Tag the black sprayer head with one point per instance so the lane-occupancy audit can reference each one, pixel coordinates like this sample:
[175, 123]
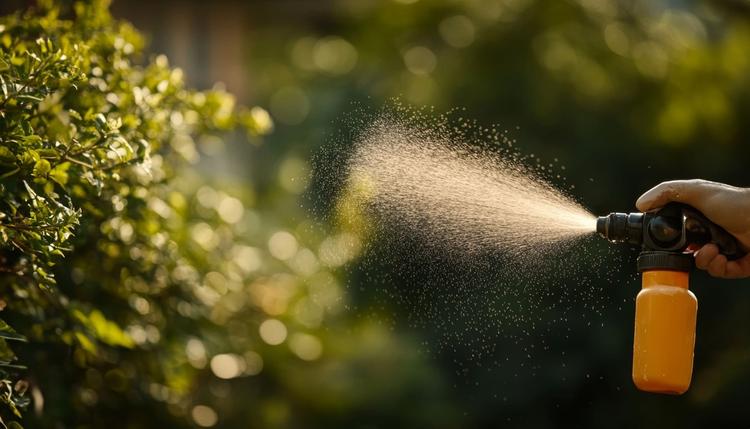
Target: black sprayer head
[670, 229]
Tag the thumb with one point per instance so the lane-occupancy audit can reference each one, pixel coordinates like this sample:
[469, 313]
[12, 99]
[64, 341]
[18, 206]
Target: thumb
[691, 192]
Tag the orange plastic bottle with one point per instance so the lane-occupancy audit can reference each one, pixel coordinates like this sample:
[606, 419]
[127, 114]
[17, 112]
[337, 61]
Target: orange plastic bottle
[665, 320]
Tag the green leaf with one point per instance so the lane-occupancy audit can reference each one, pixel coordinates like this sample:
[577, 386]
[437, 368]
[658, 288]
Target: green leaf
[6, 154]
[59, 174]
[32, 139]
[42, 168]
[7, 332]
[30, 98]
[85, 342]
[7, 364]
[104, 330]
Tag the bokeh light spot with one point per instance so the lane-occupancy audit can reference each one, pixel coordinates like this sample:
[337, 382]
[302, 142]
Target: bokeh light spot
[230, 210]
[305, 346]
[227, 365]
[204, 416]
[457, 31]
[420, 60]
[282, 245]
[272, 331]
[334, 55]
[196, 353]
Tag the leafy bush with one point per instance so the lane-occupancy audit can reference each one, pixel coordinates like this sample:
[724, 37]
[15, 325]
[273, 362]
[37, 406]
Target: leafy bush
[92, 146]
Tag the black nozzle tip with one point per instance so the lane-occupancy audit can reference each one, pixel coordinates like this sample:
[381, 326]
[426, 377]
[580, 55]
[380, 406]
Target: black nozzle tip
[621, 227]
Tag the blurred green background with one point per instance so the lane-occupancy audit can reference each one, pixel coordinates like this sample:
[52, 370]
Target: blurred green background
[622, 94]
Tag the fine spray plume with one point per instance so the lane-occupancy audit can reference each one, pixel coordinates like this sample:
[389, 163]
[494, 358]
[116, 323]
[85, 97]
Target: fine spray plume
[666, 311]
[473, 237]
[463, 199]
[466, 200]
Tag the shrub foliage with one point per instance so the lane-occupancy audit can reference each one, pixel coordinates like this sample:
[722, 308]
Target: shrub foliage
[93, 254]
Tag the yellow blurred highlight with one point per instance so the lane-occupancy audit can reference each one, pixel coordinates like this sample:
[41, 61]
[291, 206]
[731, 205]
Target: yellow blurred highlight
[272, 331]
[282, 245]
[204, 416]
[420, 60]
[196, 353]
[227, 365]
[273, 294]
[306, 347]
[334, 55]
[230, 209]
[261, 119]
[457, 31]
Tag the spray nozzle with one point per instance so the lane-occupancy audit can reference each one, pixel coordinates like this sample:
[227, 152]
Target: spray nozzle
[670, 229]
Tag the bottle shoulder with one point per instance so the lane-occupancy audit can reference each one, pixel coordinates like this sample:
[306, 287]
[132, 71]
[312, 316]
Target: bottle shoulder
[668, 290]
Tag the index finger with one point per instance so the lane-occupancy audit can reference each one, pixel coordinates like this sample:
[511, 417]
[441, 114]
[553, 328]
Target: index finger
[684, 191]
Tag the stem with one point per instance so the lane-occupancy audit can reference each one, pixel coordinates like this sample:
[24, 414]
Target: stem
[10, 173]
[79, 162]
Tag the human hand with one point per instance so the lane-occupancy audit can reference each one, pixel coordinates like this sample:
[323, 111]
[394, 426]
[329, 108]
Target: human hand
[725, 205]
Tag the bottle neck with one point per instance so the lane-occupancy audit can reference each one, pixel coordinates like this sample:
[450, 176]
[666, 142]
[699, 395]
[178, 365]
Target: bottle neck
[666, 278]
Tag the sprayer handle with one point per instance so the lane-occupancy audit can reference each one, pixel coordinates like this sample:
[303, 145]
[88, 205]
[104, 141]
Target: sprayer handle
[701, 230]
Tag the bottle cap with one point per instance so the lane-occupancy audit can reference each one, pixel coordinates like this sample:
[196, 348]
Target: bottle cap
[672, 261]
